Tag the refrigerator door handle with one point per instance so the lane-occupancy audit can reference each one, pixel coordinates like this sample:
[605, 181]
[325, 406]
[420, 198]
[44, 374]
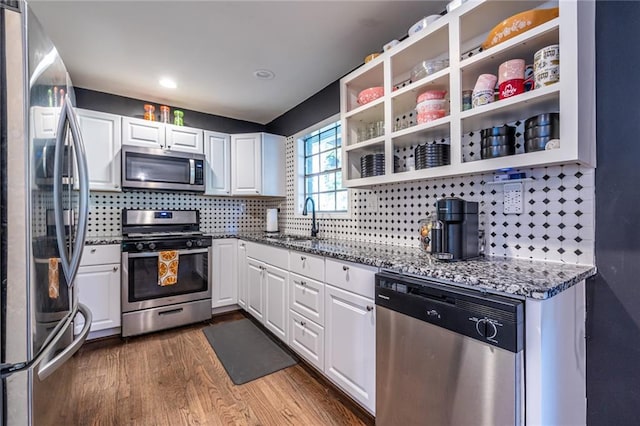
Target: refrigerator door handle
[83, 188]
[70, 266]
[45, 370]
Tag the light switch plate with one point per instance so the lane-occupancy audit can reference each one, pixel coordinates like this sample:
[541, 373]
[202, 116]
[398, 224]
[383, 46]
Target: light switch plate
[513, 198]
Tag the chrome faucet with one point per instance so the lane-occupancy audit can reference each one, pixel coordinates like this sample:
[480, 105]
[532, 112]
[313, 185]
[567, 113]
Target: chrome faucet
[314, 225]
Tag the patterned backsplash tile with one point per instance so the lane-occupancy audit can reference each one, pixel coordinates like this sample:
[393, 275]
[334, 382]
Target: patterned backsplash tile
[557, 225]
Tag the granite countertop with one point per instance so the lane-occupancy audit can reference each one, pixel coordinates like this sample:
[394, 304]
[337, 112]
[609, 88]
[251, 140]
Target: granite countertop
[103, 240]
[511, 276]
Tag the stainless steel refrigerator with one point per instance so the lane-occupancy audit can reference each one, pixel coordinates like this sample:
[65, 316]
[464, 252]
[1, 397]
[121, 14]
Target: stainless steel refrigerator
[44, 208]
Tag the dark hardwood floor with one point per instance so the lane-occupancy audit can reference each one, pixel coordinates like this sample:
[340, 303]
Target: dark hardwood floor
[174, 378]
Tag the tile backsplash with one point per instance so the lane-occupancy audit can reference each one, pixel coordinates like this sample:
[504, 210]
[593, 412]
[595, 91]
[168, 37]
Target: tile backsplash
[557, 225]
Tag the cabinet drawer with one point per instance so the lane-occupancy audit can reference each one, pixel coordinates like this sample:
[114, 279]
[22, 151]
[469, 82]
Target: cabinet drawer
[307, 265]
[307, 339]
[100, 255]
[359, 279]
[268, 254]
[306, 297]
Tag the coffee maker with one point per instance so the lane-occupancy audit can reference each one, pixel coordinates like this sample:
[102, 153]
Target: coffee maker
[454, 236]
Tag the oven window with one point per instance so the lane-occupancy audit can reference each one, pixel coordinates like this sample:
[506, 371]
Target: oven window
[155, 168]
[143, 277]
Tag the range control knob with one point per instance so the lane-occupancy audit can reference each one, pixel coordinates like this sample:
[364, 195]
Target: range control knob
[199, 243]
[491, 330]
[152, 246]
[139, 246]
[189, 243]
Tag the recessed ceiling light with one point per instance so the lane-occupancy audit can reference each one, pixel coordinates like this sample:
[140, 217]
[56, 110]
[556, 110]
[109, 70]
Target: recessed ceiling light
[168, 83]
[264, 74]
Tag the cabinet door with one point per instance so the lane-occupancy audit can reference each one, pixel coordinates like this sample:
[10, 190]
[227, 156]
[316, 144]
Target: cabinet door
[217, 148]
[184, 139]
[145, 133]
[255, 289]
[246, 161]
[44, 121]
[224, 273]
[350, 346]
[276, 307]
[99, 288]
[307, 339]
[242, 274]
[102, 135]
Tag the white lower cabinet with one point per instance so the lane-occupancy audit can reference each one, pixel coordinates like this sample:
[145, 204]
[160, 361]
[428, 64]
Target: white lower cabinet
[255, 288]
[276, 307]
[98, 286]
[307, 339]
[242, 274]
[223, 273]
[350, 345]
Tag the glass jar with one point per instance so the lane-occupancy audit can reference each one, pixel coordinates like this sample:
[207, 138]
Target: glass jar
[149, 112]
[178, 117]
[164, 113]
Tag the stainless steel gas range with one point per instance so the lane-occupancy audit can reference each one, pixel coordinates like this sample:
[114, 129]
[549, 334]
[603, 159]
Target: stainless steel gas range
[150, 302]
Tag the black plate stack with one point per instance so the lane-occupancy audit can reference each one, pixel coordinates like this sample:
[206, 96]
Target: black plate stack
[498, 142]
[372, 165]
[432, 155]
[539, 130]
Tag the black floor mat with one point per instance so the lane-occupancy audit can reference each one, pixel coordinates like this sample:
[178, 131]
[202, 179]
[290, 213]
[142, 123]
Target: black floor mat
[245, 351]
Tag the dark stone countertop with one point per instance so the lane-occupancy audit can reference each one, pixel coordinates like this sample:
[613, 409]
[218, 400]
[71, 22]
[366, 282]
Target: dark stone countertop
[510, 276]
[103, 240]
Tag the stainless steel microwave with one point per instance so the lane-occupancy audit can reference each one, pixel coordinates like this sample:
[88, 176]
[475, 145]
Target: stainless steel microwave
[159, 169]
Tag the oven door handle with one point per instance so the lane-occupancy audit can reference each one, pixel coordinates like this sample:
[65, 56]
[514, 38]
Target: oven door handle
[157, 253]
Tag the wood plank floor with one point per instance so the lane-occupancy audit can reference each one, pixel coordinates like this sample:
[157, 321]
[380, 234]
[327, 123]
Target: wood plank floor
[175, 378]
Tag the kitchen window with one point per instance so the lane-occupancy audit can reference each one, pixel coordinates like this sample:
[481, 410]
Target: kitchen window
[319, 169]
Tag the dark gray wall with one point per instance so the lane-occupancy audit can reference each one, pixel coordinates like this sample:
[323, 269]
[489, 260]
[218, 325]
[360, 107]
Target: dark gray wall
[318, 107]
[613, 296]
[129, 107]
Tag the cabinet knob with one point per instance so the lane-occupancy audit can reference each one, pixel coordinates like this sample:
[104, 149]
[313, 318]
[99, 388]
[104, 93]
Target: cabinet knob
[303, 283]
[257, 192]
[116, 186]
[345, 268]
[369, 308]
[115, 269]
[241, 244]
[303, 258]
[93, 250]
[302, 323]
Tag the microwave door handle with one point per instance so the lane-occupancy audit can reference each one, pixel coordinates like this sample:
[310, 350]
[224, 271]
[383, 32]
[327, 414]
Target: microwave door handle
[58, 210]
[192, 171]
[83, 189]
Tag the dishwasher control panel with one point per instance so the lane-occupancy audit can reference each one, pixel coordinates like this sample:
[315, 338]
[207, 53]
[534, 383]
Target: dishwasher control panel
[493, 319]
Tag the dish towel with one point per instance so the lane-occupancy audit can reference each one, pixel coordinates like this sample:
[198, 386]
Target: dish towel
[54, 278]
[168, 267]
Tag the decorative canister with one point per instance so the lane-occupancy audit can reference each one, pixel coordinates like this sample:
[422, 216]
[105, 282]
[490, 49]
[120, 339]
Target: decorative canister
[178, 117]
[482, 97]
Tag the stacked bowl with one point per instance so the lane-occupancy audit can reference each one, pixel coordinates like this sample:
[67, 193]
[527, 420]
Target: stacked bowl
[542, 132]
[373, 164]
[431, 105]
[432, 155]
[498, 142]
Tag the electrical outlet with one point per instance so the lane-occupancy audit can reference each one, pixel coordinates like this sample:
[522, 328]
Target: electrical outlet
[513, 198]
[372, 203]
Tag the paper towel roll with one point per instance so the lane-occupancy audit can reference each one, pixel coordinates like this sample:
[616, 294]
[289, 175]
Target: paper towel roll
[272, 220]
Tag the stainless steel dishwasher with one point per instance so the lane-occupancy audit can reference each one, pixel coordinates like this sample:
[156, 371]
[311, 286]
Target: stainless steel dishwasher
[447, 356]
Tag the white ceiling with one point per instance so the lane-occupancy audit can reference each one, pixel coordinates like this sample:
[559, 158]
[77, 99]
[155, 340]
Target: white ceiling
[212, 48]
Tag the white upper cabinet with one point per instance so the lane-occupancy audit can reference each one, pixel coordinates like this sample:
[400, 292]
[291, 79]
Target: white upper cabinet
[217, 148]
[153, 134]
[457, 37]
[102, 136]
[44, 121]
[185, 139]
[258, 164]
